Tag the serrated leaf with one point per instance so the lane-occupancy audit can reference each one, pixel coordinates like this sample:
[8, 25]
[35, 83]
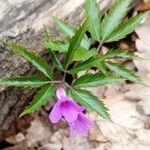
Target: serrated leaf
[41, 98]
[65, 27]
[102, 67]
[59, 46]
[119, 53]
[92, 13]
[83, 54]
[85, 65]
[56, 62]
[54, 58]
[52, 45]
[46, 36]
[75, 43]
[96, 61]
[85, 43]
[111, 20]
[94, 80]
[90, 101]
[32, 58]
[125, 28]
[126, 73]
[32, 81]
[70, 31]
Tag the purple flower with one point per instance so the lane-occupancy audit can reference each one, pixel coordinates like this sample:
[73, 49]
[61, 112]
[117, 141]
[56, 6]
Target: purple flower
[71, 111]
[65, 107]
[81, 125]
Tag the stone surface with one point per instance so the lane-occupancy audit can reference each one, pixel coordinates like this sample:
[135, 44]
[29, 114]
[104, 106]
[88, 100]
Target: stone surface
[37, 132]
[16, 17]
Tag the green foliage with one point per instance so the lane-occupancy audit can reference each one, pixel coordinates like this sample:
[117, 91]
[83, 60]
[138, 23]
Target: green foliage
[33, 58]
[62, 47]
[94, 80]
[70, 31]
[54, 58]
[80, 51]
[46, 33]
[85, 43]
[33, 81]
[125, 28]
[96, 61]
[85, 65]
[119, 53]
[114, 17]
[126, 73]
[92, 14]
[63, 26]
[56, 61]
[90, 101]
[59, 46]
[83, 54]
[75, 43]
[41, 98]
[101, 66]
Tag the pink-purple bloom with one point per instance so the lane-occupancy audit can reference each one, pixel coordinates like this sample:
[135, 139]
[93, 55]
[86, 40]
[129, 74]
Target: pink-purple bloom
[81, 125]
[71, 111]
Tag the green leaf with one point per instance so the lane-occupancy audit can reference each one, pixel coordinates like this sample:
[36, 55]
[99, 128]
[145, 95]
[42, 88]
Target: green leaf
[92, 13]
[119, 53]
[51, 45]
[85, 65]
[90, 101]
[75, 43]
[47, 37]
[56, 62]
[59, 46]
[33, 58]
[94, 80]
[111, 20]
[63, 26]
[83, 54]
[101, 66]
[96, 61]
[32, 81]
[85, 43]
[54, 58]
[41, 98]
[128, 74]
[125, 28]
[70, 31]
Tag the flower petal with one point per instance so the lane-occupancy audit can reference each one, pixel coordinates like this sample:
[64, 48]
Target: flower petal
[81, 125]
[61, 93]
[78, 107]
[69, 111]
[55, 114]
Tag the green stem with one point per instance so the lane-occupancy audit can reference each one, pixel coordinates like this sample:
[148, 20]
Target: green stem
[99, 46]
[65, 72]
[69, 86]
[55, 82]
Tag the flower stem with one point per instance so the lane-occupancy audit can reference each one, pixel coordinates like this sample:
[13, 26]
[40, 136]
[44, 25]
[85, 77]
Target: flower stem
[55, 81]
[69, 86]
[99, 46]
